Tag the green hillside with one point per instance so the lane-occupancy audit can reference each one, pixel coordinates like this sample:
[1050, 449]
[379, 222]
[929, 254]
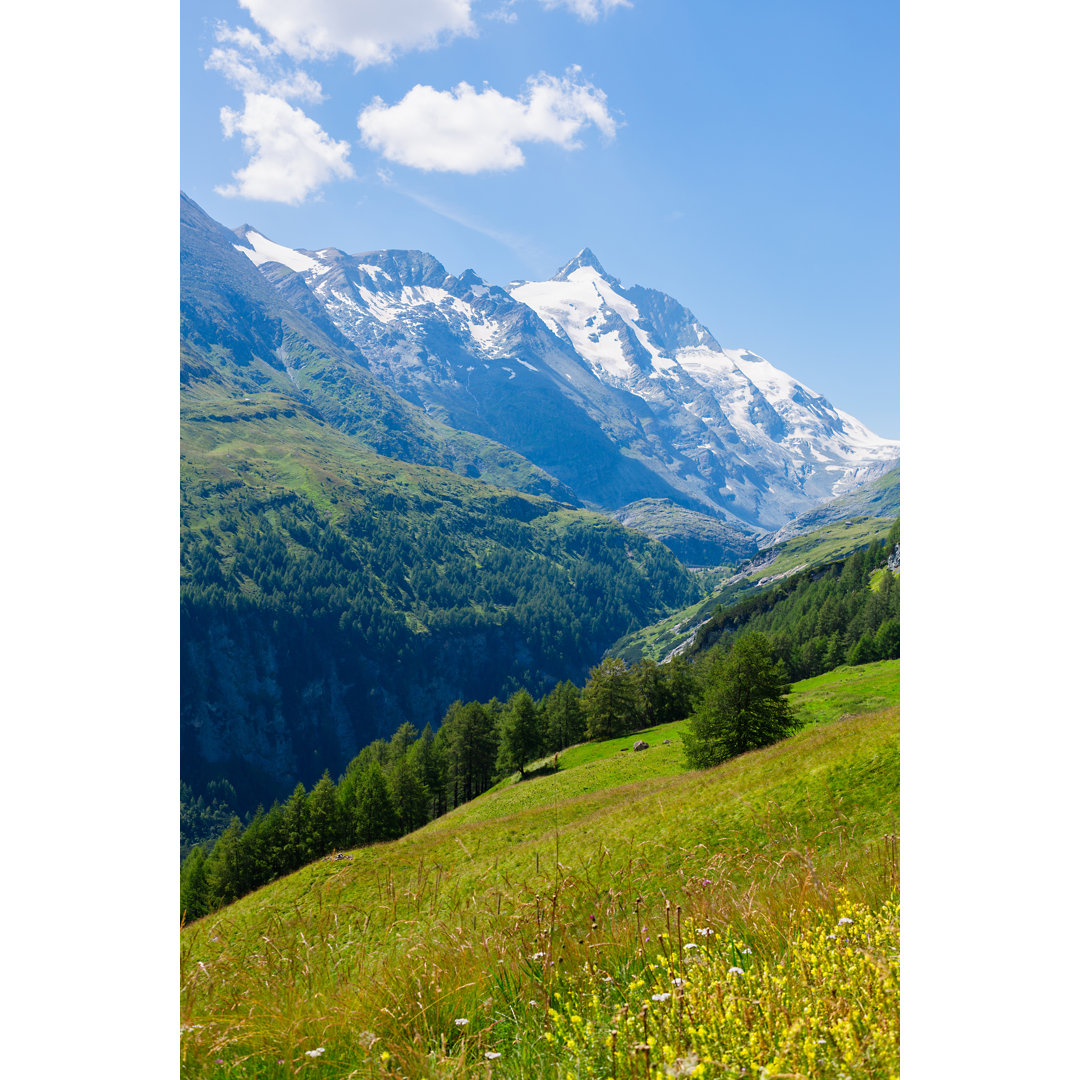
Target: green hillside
[328, 594]
[769, 568]
[737, 921]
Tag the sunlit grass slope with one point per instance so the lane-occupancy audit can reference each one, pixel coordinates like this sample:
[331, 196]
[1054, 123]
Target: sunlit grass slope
[733, 922]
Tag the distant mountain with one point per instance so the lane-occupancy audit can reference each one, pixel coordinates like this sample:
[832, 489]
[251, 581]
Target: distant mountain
[618, 392]
[874, 498]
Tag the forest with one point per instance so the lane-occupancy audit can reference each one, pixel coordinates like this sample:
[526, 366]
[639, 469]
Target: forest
[847, 612]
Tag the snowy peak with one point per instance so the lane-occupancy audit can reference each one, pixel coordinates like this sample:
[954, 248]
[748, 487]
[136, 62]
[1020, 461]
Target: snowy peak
[657, 407]
[584, 259]
[261, 250]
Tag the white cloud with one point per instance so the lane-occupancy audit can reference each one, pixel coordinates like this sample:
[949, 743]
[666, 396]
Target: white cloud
[589, 10]
[464, 131]
[370, 31]
[245, 76]
[291, 156]
[245, 39]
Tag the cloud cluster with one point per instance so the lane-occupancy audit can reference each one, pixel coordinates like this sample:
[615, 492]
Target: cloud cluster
[466, 131]
[245, 76]
[370, 31]
[461, 130]
[588, 10]
[290, 154]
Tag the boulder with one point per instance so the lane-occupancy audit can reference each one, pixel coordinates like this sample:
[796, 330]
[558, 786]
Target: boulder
[641, 744]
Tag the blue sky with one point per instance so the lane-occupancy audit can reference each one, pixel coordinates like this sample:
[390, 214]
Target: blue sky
[741, 156]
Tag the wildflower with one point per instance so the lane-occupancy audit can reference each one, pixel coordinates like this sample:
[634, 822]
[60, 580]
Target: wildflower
[219, 1061]
[537, 956]
[704, 931]
[690, 945]
[747, 951]
[845, 919]
[735, 971]
[676, 982]
[661, 997]
[534, 1004]
[491, 1055]
[367, 1039]
[830, 937]
[319, 1050]
[384, 1057]
[461, 1021]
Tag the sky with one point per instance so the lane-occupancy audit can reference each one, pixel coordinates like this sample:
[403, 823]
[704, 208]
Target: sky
[742, 157]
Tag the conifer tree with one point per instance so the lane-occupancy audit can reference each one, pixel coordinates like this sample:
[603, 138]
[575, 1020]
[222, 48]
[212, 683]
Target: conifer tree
[609, 700]
[409, 793]
[324, 819]
[296, 829]
[565, 716]
[376, 817]
[520, 737]
[194, 892]
[744, 704]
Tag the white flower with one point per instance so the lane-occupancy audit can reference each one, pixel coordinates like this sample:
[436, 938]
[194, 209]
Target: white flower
[691, 944]
[676, 981]
[316, 1052]
[845, 919]
[491, 1055]
[537, 956]
[533, 1003]
[830, 937]
[735, 971]
[461, 1021]
[661, 997]
[747, 951]
[704, 931]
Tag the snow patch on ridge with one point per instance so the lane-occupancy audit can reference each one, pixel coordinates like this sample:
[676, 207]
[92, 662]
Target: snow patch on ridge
[263, 251]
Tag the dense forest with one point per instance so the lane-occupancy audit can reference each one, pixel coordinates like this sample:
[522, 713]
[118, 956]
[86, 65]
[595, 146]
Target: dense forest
[844, 612]
[321, 613]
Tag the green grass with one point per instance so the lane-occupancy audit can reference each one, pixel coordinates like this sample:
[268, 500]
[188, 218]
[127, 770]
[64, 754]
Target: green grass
[576, 898]
[847, 690]
[609, 763]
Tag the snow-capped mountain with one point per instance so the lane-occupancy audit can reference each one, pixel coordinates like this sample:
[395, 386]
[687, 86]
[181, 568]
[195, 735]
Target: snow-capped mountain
[618, 392]
[642, 341]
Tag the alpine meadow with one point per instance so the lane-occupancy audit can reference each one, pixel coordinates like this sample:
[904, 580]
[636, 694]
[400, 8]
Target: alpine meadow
[539, 652]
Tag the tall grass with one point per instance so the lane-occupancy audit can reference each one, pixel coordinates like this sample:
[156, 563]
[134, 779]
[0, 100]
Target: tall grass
[607, 946]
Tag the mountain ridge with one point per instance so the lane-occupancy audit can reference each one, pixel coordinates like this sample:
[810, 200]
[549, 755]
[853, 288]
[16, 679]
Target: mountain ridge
[627, 378]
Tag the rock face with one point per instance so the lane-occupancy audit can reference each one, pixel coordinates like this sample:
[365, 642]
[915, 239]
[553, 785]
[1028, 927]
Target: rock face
[641, 744]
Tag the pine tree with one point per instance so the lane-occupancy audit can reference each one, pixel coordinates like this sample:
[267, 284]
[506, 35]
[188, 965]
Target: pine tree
[520, 737]
[409, 793]
[609, 700]
[194, 892]
[325, 825]
[565, 716]
[296, 829]
[744, 704]
[376, 817]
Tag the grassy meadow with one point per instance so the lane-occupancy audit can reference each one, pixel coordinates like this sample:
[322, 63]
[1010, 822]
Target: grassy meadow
[621, 917]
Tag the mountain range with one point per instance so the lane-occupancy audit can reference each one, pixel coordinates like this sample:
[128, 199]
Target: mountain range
[620, 393]
[400, 487]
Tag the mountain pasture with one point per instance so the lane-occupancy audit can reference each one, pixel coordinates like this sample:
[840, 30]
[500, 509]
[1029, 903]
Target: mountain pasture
[620, 917]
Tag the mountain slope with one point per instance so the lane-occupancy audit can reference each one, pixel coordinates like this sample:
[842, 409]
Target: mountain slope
[240, 335]
[445, 950]
[330, 592]
[762, 442]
